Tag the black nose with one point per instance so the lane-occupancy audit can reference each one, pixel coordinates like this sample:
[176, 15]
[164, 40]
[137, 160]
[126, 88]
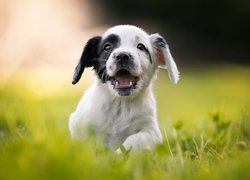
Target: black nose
[123, 57]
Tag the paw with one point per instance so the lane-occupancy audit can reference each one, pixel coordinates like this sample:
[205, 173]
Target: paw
[118, 151]
[123, 150]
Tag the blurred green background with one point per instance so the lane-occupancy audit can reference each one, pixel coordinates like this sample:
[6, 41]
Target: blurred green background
[204, 119]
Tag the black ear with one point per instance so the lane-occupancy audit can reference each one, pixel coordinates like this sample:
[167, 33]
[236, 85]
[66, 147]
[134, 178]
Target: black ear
[88, 55]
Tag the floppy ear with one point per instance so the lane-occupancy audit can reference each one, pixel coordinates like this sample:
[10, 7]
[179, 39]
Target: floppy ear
[163, 57]
[87, 57]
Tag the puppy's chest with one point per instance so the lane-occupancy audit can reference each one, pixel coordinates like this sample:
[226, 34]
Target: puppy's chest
[117, 119]
[115, 123]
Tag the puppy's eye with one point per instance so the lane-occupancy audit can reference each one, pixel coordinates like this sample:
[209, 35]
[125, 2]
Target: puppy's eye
[141, 47]
[107, 47]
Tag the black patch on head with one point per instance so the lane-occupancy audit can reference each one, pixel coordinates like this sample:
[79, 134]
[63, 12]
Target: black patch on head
[105, 48]
[113, 40]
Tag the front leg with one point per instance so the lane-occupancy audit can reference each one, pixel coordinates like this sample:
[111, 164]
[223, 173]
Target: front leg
[81, 118]
[78, 125]
[143, 140]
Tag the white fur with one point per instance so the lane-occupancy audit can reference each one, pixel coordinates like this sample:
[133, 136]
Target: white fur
[130, 120]
[168, 61]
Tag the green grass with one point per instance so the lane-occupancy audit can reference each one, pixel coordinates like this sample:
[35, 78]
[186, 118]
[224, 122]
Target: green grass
[204, 119]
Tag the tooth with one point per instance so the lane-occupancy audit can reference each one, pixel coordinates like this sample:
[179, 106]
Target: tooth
[116, 83]
[131, 83]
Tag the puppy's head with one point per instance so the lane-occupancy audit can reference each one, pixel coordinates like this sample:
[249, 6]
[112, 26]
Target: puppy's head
[125, 59]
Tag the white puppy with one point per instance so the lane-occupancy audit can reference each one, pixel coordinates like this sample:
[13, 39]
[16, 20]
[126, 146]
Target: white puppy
[120, 107]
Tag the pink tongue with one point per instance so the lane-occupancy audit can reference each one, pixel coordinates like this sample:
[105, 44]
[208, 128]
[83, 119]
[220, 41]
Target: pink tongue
[124, 80]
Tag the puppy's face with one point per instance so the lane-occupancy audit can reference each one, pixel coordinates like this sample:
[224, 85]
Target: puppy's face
[127, 53]
[125, 59]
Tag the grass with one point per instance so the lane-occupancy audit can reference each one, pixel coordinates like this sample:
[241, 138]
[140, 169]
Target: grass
[205, 122]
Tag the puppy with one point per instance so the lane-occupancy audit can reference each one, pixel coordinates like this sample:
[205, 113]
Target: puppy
[120, 107]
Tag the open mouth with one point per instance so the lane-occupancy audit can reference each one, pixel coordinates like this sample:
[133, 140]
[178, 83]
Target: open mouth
[123, 80]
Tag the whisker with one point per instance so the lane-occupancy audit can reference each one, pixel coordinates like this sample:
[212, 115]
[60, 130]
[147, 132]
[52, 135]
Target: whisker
[100, 68]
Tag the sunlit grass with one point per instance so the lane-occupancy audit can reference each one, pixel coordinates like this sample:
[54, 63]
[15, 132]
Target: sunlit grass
[204, 119]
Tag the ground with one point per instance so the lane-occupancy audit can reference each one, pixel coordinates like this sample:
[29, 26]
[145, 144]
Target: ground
[204, 120]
